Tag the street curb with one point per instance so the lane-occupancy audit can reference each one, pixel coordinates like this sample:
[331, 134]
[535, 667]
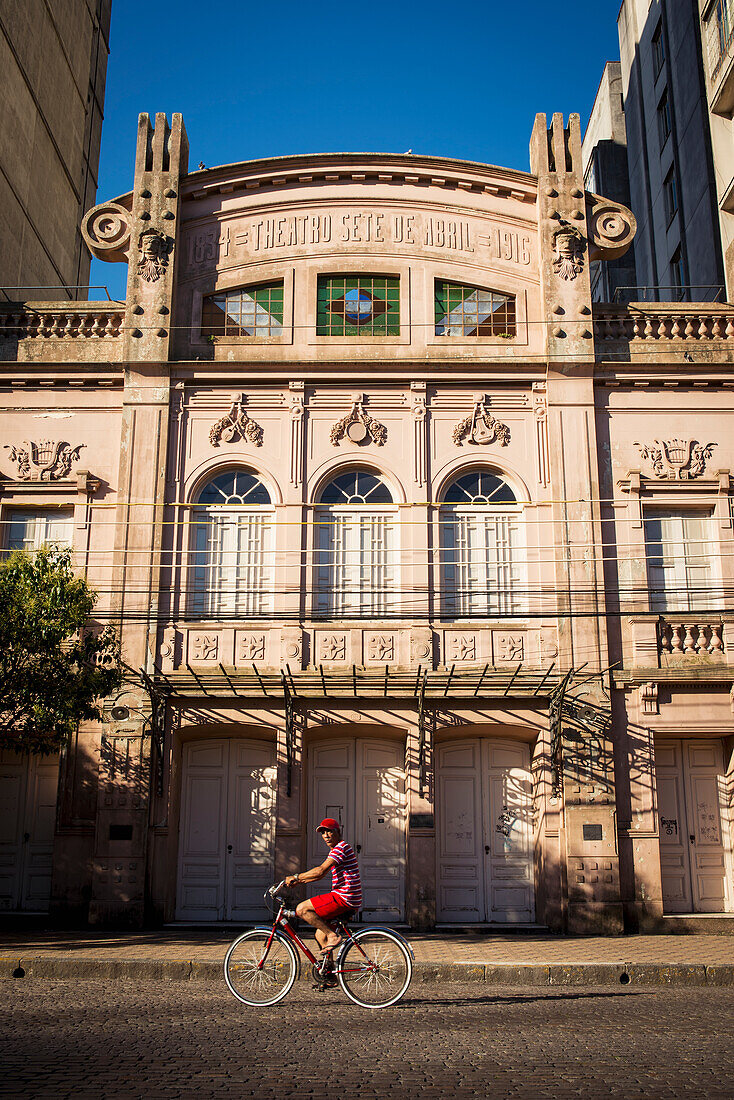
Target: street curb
[83, 968]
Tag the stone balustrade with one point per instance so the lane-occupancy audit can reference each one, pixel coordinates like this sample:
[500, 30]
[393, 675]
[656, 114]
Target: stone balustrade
[85, 320]
[690, 638]
[661, 321]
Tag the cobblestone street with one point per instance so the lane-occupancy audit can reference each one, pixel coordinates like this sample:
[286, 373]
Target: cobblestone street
[181, 1039]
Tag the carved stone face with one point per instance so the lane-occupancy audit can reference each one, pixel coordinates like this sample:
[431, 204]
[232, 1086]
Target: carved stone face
[153, 245]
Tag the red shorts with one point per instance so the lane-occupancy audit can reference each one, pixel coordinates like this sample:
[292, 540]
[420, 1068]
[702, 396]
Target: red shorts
[330, 905]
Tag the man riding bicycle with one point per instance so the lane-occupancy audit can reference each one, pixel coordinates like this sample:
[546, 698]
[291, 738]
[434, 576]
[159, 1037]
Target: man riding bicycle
[346, 887]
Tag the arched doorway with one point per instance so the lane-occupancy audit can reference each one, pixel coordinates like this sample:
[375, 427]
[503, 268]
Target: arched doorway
[361, 783]
[484, 834]
[227, 830]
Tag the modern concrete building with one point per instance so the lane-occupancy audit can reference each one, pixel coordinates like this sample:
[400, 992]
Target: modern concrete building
[376, 497]
[53, 61]
[604, 153]
[718, 62]
[678, 251]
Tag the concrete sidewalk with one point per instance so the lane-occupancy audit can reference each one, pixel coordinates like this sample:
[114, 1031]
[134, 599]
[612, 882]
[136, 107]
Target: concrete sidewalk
[528, 959]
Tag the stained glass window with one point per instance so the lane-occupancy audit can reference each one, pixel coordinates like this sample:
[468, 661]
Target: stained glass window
[358, 305]
[470, 311]
[250, 311]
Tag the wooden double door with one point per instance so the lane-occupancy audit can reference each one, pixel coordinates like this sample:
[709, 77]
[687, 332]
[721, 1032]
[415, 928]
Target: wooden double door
[227, 830]
[28, 791]
[695, 835]
[361, 783]
[484, 832]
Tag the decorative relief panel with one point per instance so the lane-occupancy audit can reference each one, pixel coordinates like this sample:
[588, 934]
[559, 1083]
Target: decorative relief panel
[331, 648]
[203, 647]
[418, 411]
[358, 426]
[236, 425]
[297, 411]
[461, 647]
[676, 459]
[508, 647]
[167, 651]
[421, 647]
[43, 461]
[380, 648]
[291, 646]
[481, 427]
[250, 647]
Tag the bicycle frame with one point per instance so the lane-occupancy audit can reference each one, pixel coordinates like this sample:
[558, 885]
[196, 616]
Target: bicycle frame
[283, 924]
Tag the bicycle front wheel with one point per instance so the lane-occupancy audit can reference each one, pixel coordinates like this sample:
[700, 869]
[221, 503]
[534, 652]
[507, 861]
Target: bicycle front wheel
[254, 977]
[375, 971]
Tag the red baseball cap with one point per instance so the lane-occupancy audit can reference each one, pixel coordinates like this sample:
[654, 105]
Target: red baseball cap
[329, 823]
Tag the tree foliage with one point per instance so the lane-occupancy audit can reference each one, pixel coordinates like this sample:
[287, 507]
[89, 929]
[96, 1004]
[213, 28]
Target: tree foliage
[54, 671]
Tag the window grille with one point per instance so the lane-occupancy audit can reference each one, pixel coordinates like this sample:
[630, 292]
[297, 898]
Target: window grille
[356, 548]
[482, 541]
[232, 545]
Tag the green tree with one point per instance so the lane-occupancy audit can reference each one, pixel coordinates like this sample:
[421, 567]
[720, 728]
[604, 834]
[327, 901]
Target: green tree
[54, 670]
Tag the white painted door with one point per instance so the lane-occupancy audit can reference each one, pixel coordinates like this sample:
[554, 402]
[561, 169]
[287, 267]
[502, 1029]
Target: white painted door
[484, 834]
[361, 783]
[28, 790]
[227, 833]
[695, 840]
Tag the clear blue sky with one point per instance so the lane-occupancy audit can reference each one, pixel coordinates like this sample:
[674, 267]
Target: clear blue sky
[267, 79]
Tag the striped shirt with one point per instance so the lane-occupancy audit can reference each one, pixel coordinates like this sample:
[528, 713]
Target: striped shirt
[345, 879]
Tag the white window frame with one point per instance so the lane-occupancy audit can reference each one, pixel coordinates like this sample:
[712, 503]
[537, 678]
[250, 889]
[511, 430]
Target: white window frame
[484, 572]
[686, 575]
[232, 560]
[356, 560]
[43, 527]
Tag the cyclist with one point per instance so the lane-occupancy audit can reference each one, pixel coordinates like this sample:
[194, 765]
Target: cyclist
[346, 887]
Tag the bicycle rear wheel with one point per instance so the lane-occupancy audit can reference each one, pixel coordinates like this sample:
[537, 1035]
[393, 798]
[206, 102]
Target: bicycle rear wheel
[253, 981]
[377, 972]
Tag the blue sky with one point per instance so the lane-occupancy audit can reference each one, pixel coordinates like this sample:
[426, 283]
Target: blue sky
[254, 80]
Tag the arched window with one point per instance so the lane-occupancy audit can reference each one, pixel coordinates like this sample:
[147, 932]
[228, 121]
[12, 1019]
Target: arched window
[482, 559]
[232, 543]
[356, 546]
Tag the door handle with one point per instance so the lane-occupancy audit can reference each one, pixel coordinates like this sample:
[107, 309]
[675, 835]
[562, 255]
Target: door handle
[229, 847]
[486, 848]
[359, 847]
[26, 837]
[692, 838]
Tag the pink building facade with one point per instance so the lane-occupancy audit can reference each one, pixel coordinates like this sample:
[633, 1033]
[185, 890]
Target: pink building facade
[397, 529]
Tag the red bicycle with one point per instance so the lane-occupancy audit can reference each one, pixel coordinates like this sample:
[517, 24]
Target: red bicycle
[373, 965]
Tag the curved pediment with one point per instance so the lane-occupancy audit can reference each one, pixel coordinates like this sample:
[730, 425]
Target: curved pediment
[426, 239]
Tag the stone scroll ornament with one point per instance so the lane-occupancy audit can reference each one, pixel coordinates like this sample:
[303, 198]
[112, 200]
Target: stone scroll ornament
[568, 248]
[154, 248]
[236, 424]
[358, 427]
[106, 231]
[481, 428]
[43, 461]
[612, 228]
[676, 459]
